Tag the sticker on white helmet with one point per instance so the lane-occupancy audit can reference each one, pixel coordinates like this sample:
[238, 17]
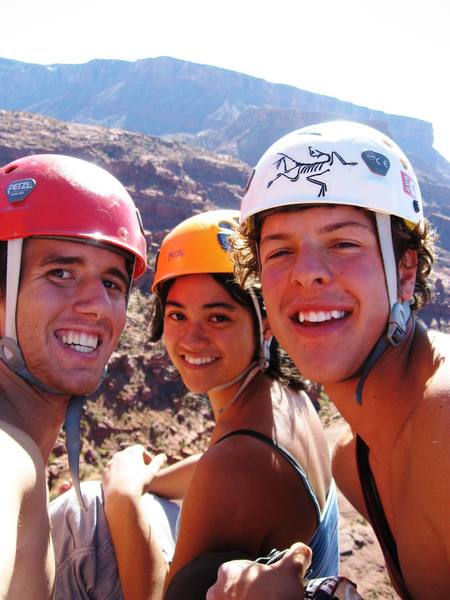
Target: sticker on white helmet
[377, 163]
[409, 187]
[293, 169]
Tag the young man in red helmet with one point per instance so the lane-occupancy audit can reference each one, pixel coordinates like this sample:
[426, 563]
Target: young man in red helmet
[71, 244]
[333, 226]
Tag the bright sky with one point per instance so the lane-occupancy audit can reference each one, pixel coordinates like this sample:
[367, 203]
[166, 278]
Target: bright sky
[390, 55]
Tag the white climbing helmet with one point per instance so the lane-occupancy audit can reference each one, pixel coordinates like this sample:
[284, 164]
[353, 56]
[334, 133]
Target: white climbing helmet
[339, 162]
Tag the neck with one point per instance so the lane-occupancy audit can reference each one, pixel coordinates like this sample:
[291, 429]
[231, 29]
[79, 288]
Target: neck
[223, 397]
[386, 403]
[53, 410]
[39, 414]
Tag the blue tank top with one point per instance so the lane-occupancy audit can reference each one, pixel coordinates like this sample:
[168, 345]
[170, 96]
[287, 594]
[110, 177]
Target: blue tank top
[325, 540]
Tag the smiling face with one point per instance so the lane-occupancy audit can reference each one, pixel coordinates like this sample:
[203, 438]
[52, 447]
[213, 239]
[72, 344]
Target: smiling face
[324, 288]
[208, 335]
[71, 311]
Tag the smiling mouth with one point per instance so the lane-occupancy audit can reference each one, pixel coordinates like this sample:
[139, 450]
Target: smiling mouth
[80, 341]
[319, 317]
[199, 360]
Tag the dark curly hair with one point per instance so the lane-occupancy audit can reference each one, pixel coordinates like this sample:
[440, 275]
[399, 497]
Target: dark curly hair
[421, 239]
[281, 366]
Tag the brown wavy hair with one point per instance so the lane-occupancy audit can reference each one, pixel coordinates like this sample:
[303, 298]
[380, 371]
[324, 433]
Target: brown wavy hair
[422, 239]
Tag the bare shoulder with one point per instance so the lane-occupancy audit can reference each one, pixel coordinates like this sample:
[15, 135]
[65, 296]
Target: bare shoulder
[24, 466]
[222, 508]
[345, 469]
[431, 417]
[439, 382]
[234, 464]
[25, 552]
[235, 487]
[430, 427]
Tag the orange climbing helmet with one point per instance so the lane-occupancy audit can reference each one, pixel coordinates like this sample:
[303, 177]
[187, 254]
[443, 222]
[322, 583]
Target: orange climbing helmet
[197, 245]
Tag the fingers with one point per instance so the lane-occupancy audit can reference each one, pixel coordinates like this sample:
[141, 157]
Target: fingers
[296, 560]
[244, 580]
[160, 459]
[131, 470]
[138, 450]
[230, 580]
[156, 463]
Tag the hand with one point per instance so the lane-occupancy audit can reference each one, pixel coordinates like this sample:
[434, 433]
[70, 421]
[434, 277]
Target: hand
[245, 580]
[130, 471]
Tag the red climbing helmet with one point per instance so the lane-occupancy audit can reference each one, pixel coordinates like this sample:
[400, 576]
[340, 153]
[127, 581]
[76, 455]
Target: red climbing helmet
[62, 196]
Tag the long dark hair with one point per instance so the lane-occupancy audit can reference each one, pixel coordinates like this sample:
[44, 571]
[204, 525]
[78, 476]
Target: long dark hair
[281, 366]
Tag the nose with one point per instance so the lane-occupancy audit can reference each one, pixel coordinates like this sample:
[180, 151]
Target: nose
[194, 336]
[92, 299]
[310, 270]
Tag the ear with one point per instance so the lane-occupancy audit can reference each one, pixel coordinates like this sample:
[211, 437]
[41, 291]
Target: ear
[267, 332]
[407, 274]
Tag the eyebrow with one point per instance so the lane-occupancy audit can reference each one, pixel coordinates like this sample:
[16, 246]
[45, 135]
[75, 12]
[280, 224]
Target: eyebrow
[325, 229]
[57, 259]
[210, 305]
[335, 226]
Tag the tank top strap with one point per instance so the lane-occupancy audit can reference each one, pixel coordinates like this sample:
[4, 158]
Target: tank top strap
[286, 454]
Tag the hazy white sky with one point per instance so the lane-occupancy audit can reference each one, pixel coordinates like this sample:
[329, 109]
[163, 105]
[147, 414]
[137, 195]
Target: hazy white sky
[390, 55]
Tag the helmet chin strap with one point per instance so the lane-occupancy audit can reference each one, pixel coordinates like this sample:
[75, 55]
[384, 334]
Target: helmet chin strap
[14, 258]
[400, 312]
[11, 355]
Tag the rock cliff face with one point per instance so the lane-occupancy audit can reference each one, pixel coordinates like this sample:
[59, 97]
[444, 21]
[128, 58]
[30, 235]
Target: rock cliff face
[166, 96]
[169, 181]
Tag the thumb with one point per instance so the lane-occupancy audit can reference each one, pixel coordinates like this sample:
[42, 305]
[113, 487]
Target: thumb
[296, 560]
[156, 463]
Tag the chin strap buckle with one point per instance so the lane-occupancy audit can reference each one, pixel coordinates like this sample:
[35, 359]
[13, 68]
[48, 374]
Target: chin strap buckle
[396, 330]
[398, 322]
[264, 355]
[10, 354]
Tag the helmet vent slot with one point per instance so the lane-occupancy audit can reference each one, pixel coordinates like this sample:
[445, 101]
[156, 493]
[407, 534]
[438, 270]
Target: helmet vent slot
[10, 169]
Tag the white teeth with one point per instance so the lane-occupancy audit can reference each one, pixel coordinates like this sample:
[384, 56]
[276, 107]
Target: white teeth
[81, 348]
[80, 341]
[201, 360]
[319, 316]
[337, 314]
